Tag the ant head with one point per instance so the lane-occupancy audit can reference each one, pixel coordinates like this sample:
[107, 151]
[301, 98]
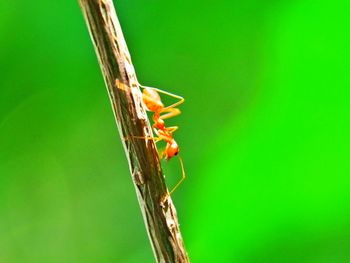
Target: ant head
[172, 149]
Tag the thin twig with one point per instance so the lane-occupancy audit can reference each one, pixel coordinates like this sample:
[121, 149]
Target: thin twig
[123, 89]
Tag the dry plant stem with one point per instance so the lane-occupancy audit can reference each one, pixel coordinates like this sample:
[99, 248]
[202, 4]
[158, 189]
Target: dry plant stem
[158, 211]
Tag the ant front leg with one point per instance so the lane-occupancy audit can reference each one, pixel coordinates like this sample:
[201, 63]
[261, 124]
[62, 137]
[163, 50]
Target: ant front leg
[162, 154]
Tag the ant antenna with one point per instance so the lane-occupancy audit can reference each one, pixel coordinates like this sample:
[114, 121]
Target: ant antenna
[183, 175]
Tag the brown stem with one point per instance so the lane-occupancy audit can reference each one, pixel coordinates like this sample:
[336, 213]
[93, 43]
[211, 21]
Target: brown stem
[158, 211]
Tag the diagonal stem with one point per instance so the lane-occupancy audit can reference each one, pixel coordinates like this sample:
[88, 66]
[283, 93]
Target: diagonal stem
[125, 96]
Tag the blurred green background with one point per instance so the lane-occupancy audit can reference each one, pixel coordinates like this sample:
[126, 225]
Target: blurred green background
[264, 132]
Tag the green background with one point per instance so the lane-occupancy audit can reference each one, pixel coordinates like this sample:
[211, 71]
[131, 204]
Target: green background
[264, 132]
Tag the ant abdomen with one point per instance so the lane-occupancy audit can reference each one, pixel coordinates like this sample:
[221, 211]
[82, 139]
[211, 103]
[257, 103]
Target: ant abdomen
[152, 100]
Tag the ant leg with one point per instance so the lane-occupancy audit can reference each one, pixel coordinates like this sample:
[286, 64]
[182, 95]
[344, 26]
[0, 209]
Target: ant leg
[181, 99]
[162, 154]
[170, 112]
[172, 129]
[156, 139]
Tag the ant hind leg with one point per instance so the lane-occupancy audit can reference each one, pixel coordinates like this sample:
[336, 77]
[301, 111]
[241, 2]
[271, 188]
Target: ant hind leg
[170, 112]
[181, 99]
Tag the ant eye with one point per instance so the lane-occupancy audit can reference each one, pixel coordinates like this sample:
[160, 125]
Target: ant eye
[176, 153]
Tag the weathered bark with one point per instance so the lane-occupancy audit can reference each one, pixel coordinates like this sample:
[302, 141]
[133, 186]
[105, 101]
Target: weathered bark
[125, 96]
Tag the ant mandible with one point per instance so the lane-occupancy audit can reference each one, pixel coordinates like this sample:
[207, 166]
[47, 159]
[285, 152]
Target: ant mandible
[154, 104]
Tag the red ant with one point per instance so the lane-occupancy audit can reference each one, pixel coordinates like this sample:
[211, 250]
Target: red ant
[154, 104]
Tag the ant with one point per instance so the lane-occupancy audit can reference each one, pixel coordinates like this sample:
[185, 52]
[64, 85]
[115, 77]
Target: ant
[153, 103]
